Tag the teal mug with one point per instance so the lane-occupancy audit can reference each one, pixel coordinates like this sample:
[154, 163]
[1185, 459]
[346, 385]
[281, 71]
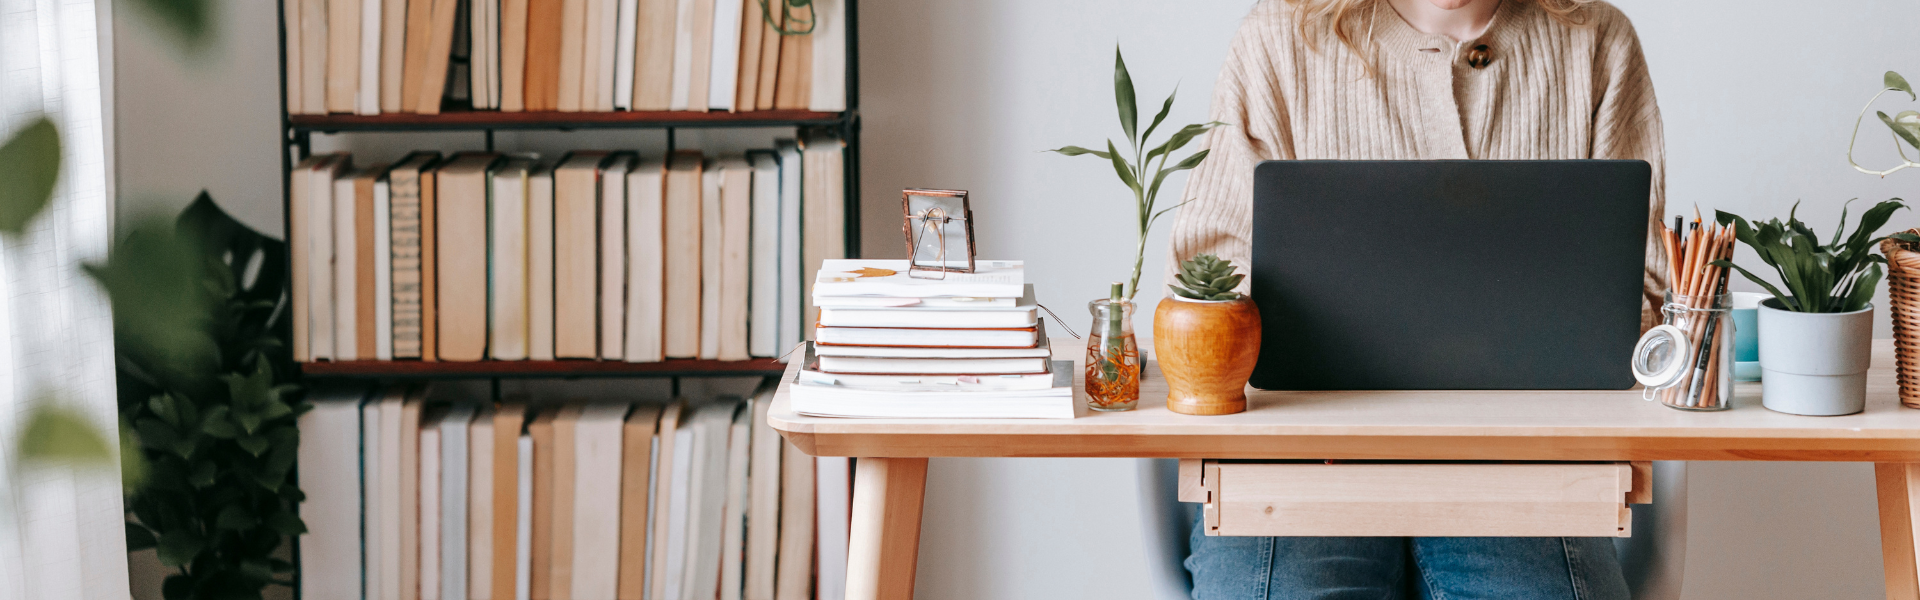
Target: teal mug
[1746, 335]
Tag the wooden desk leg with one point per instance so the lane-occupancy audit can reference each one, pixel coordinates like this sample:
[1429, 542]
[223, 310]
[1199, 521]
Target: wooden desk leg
[1898, 488]
[885, 540]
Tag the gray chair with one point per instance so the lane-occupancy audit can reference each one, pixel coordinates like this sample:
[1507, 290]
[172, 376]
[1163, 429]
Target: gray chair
[1652, 558]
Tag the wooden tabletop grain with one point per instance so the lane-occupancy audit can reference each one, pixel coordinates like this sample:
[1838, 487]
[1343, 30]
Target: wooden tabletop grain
[1404, 425]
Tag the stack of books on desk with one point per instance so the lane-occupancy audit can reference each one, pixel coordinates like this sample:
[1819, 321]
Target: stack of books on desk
[962, 345]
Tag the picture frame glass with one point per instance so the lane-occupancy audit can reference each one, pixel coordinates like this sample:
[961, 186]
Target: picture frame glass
[939, 235]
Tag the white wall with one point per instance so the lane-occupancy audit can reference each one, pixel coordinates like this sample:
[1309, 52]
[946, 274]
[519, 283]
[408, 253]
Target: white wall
[1758, 98]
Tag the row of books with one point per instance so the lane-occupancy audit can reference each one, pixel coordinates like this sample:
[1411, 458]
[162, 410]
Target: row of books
[418, 494]
[599, 255]
[894, 343]
[414, 56]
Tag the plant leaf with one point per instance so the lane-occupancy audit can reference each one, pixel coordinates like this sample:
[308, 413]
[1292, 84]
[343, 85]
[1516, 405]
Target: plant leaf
[1165, 108]
[138, 538]
[1784, 299]
[1180, 138]
[58, 433]
[189, 20]
[178, 547]
[1862, 292]
[1894, 81]
[1123, 97]
[1912, 137]
[1077, 151]
[29, 169]
[1121, 167]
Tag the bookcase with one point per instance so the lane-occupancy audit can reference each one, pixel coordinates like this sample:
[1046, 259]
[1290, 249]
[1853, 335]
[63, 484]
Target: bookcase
[297, 132]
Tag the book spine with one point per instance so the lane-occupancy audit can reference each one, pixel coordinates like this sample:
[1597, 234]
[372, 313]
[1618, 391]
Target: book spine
[407, 288]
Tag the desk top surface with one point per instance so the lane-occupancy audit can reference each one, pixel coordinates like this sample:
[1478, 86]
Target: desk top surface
[1394, 425]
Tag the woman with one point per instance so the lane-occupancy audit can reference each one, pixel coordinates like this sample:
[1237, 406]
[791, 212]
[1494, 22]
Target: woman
[1417, 79]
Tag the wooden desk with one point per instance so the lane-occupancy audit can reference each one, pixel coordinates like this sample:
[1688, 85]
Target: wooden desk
[890, 478]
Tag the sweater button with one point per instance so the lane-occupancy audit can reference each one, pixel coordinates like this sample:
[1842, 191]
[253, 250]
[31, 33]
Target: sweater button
[1479, 57]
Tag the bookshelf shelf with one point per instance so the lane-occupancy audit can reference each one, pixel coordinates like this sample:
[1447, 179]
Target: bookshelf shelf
[414, 369]
[496, 120]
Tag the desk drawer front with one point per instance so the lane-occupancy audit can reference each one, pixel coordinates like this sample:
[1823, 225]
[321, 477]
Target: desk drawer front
[1295, 499]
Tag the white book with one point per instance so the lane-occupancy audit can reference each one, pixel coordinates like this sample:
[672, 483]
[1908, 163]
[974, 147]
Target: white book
[711, 242]
[835, 477]
[959, 303]
[940, 307]
[763, 501]
[607, 65]
[320, 276]
[523, 524]
[383, 269]
[476, 26]
[733, 518]
[540, 262]
[927, 338]
[623, 48]
[596, 500]
[682, 56]
[791, 322]
[723, 80]
[290, 27]
[590, 55]
[829, 56]
[1040, 351]
[763, 311]
[508, 307]
[1055, 402]
[932, 319]
[493, 54]
[706, 498]
[330, 475]
[390, 492]
[646, 261]
[480, 506]
[346, 317]
[930, 366]
[453, 501]
[371, 520]
[367, 100]
[673, 581]
[990, 279]
[613, 256]
[931, 383]
[736, 248]
[430, 513]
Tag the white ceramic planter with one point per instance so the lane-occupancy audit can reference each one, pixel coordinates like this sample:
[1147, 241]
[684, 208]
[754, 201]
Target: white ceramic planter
[1815, 363]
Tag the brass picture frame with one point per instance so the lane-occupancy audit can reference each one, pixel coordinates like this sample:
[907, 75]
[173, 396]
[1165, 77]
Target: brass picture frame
[939, 232]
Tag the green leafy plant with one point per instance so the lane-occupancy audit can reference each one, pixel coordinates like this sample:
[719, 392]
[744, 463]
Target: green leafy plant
[1905, 126]
[1835, 277]
[1206, 277]
[789, 23]
[213, 403]
[1134, 173]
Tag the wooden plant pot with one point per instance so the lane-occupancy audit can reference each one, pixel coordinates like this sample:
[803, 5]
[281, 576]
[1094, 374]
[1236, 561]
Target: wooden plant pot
[1206, 350]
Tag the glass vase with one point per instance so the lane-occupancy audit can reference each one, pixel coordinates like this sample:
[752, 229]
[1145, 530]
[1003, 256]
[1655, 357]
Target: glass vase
[1113, 359]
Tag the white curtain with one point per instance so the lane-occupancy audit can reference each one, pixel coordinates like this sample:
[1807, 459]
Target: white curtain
[61, 528]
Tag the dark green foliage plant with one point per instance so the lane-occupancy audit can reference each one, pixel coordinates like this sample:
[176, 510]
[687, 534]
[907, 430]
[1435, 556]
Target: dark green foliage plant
[1206, 277]
[212, 407]
[1835, 277]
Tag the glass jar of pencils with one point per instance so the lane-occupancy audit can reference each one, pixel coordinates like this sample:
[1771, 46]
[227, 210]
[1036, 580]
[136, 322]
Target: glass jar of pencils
[1687, 363]
[1113, 359]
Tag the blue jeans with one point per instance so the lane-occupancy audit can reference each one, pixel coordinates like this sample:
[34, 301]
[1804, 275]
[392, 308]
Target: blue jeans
[1389, 568]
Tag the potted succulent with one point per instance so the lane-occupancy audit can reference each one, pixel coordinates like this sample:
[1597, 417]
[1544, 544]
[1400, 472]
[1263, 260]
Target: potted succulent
[1207, 339]
[1815, 337]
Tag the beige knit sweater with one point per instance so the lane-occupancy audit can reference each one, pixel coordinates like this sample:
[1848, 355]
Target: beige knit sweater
[1551, 91]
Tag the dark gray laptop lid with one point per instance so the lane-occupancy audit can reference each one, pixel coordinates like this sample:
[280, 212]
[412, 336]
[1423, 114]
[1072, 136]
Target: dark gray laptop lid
[1442, 275]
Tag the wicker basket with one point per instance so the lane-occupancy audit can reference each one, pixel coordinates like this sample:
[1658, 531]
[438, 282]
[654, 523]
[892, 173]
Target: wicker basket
[1903, 293]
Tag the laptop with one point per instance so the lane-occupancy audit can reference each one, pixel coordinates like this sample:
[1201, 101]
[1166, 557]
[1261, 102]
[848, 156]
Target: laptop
[1448, 275]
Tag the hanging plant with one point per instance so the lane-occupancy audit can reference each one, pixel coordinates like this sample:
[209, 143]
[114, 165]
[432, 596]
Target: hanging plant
[789, 21]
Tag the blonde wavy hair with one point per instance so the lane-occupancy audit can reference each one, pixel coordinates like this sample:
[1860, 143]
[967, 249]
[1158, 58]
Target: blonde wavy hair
[1349, 18]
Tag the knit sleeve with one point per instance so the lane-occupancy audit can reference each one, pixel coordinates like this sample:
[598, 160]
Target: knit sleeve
[1217, 218]
[1626, 125]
